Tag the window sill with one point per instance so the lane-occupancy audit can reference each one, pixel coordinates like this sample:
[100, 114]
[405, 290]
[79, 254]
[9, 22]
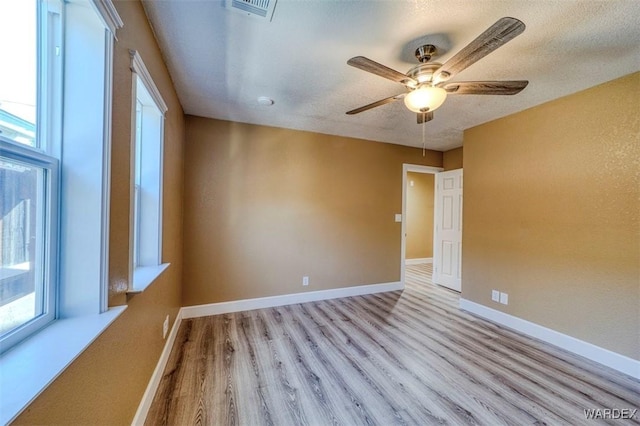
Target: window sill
[27, 369]
[144, 276]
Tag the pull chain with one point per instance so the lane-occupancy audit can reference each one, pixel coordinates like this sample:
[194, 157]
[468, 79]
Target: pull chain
[424, 149]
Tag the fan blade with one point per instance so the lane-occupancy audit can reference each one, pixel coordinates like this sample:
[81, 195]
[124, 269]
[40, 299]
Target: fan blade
[423, 117]
[504, 30]
[376, 104]
[373, 67]
[485, 87]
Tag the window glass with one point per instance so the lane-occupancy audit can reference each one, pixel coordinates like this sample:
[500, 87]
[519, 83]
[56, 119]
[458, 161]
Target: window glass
[22, 213]
[18, 73]
[137, 194]
[147, 188]
[138, 168]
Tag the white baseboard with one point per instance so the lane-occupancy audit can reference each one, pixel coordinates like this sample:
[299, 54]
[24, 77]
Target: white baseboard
[418, 261]
[590, 351]
[287, 299]
[152, 387]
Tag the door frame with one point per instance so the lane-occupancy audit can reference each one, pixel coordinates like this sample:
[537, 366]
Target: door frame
[406, 168]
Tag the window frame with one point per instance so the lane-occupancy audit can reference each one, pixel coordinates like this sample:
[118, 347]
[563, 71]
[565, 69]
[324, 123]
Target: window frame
[44, 154]
[146, 188]
[29, 156]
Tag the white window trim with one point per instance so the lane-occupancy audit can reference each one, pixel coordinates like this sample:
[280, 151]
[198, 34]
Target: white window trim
[84, 167]
[138, 67]
[107, 11]
[106, 157]
[143, 276]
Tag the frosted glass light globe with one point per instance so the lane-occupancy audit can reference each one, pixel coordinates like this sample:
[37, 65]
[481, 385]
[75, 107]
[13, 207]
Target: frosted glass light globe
[425, 98]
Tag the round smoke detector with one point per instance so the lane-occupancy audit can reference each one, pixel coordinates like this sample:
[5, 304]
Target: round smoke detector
[266, 101]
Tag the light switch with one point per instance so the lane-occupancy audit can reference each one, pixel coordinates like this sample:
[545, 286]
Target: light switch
[398, 217]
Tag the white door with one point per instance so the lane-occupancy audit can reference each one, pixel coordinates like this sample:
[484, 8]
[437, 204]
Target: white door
[447, 240]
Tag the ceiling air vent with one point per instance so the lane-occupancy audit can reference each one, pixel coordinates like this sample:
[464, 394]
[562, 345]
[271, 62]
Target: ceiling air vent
[262, 9]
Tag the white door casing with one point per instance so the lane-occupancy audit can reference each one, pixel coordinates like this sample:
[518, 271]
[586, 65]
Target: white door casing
[447, 240]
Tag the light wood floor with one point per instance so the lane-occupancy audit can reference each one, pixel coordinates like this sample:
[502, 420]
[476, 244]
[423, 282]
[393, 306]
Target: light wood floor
[408, 357]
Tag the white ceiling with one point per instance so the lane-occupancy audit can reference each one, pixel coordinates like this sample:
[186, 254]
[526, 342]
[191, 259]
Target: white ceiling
[221, 61]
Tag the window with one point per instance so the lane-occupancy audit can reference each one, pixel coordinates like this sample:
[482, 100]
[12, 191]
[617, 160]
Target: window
[27, 252]
[55, 123]
[147, 177]
[42, 109]
[30, 111]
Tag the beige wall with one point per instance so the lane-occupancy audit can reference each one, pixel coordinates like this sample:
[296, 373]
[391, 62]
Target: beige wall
[552, 215]
[452, 159]
[105, 384]
[267, 206]
[419, 219]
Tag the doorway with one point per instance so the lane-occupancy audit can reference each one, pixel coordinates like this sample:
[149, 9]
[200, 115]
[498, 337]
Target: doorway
[417, 215]
[447, 225]
[419, 233]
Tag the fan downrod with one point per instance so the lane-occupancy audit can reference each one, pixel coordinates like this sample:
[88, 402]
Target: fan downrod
[425, 52]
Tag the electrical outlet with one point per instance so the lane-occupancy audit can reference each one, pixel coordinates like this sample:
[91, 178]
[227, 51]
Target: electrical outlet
[504, 298]
[165, 327]
[305, 280]
[495, 295]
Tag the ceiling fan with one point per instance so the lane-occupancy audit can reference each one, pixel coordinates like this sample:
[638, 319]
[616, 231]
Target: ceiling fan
[427, 83]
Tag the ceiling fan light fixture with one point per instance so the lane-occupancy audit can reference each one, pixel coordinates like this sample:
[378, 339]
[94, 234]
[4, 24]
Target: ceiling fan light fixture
[425, 98]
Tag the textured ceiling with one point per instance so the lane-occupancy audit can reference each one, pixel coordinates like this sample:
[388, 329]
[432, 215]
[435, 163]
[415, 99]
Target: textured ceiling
[221, 61]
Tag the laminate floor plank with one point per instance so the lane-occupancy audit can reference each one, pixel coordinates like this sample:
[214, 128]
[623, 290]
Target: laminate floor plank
[494, 376]
[408, 357]
[439, 372]
[467, 345]
[360, 380]
[380, 362]
[338, 377]
[310, 380]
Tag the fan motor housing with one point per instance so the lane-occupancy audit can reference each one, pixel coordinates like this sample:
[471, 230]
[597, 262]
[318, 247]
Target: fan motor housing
[425, 52]
[423, 73]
